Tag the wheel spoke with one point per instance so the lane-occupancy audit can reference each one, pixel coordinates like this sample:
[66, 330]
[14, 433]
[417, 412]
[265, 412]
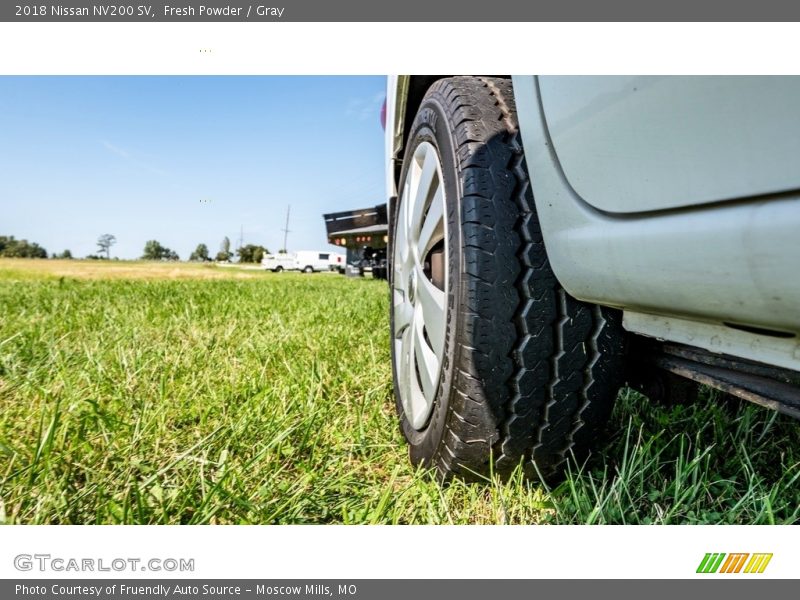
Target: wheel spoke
[421, 193]
[433, 301]
[427, 364]
[403, 315]
[397, 282]
[433, 227]
[418, 406]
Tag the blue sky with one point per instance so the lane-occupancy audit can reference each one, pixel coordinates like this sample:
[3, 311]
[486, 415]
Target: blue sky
[185, 160]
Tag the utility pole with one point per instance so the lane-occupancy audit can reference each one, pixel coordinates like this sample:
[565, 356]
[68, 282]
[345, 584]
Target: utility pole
[286, 228]
[241, 236]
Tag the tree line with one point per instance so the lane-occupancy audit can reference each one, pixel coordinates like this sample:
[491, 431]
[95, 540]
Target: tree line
[249, 253]
[153, 250]
[13, 248]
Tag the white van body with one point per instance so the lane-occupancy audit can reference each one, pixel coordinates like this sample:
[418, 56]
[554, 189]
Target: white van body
[279, 262]
[318, 260]
[668, 196]
[305, 260]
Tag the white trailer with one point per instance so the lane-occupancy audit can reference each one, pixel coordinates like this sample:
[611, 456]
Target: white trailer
[307, 261]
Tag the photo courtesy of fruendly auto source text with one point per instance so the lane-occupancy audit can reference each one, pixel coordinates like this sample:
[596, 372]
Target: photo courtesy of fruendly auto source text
[254, 276]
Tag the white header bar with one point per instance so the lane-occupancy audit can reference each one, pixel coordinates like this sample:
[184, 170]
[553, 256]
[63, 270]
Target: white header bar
[381, 48]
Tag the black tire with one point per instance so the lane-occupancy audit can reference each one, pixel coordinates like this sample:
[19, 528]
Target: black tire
[530, 374]
[308, 269]
[278, 269]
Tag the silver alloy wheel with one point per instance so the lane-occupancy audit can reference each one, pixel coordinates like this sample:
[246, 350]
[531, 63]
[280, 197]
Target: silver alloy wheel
[420, 285]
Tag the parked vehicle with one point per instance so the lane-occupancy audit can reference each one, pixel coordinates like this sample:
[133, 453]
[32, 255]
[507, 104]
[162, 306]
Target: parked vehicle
[307, 261]
[364, 233]
[552, 238]
[279, 262]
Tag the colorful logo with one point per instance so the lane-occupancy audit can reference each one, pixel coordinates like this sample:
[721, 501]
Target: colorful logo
[719, 562]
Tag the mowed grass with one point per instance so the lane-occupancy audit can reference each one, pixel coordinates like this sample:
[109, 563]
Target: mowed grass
[163, 393]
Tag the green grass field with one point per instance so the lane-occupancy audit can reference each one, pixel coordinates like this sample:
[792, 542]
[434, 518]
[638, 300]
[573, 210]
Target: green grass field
[136, 393]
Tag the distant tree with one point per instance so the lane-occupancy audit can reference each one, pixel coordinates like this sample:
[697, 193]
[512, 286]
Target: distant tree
[282, 251]
[224, 253]
[13, 248]
[104, 243]
[7, 245]
[200, 253]
[258, 253]
[153, 250]
[65, 254]
[251, 253]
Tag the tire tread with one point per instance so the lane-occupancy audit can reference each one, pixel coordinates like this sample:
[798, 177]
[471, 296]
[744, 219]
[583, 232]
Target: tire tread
[539, 369]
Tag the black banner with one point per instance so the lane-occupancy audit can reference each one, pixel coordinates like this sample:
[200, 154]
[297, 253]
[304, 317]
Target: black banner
[400, 589]
[405, 11]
